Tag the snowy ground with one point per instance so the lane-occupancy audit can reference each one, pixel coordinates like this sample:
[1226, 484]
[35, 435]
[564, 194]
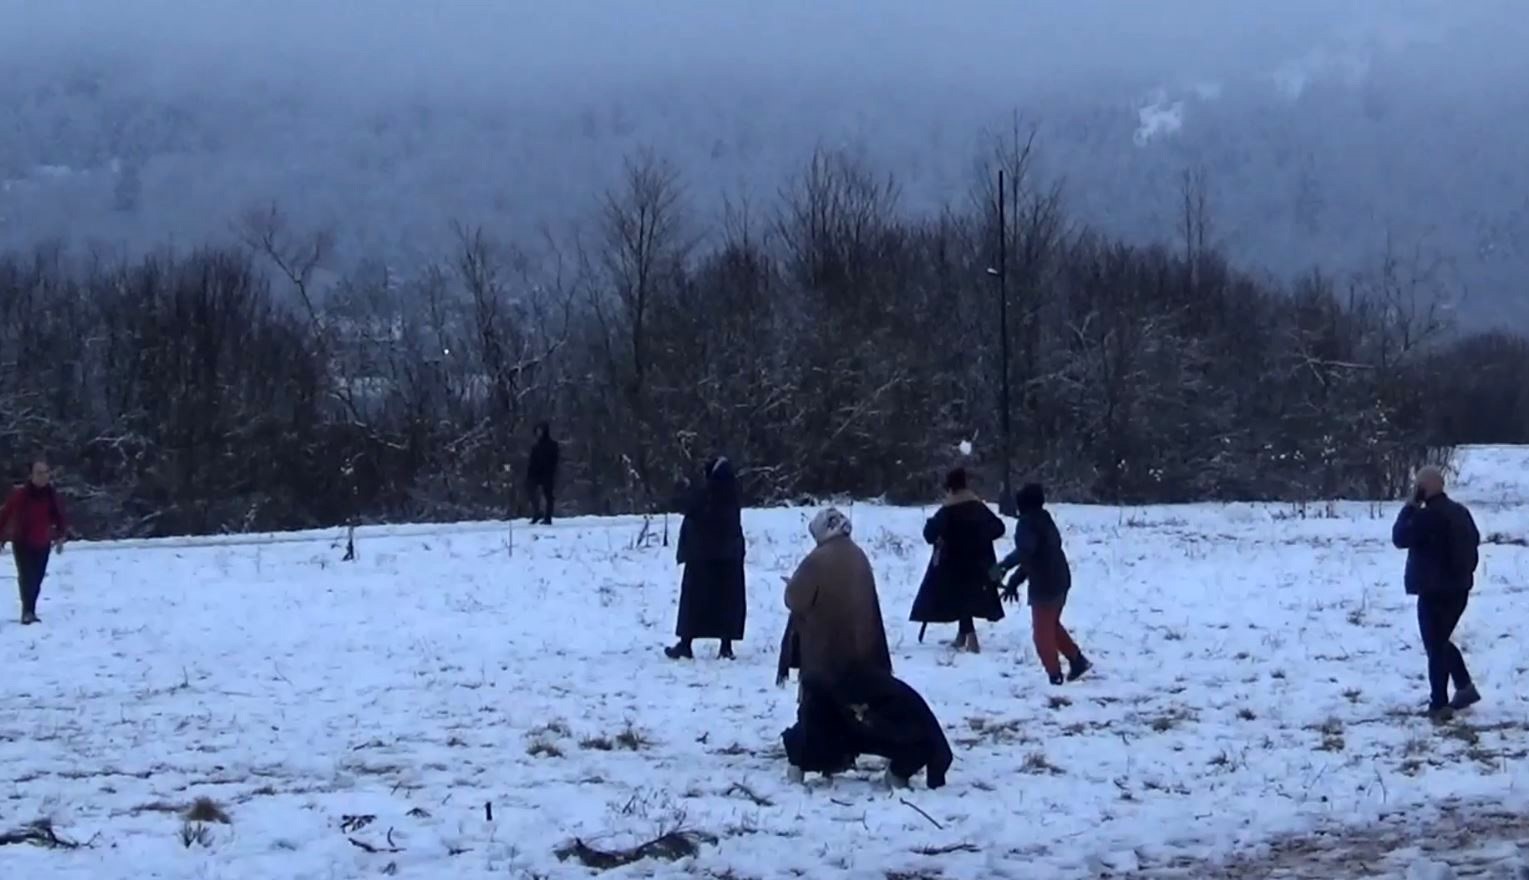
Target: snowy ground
[1258, 681]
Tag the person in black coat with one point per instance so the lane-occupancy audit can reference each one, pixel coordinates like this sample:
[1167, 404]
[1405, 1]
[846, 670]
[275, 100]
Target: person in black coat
[957, 587]
[1443, 546]
[541, 473]
[1039, 559]
[711, 548]
[866, 711]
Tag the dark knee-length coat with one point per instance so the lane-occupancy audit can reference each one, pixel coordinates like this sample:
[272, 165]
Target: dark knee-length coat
[867, 711]
[713, 601]
[959, 582]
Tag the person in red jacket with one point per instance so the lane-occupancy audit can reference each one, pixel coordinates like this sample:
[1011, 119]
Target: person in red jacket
[32, 520]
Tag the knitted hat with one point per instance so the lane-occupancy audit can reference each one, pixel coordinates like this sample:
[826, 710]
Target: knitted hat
[829, 524]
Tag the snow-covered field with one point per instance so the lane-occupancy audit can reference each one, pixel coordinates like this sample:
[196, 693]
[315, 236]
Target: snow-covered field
[1258, 676]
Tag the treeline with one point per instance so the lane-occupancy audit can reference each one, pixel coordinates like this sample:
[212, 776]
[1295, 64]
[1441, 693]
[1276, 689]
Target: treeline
[829, 343]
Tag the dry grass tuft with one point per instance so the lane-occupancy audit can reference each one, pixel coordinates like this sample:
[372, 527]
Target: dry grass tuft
[1037, 762]
[206, 810]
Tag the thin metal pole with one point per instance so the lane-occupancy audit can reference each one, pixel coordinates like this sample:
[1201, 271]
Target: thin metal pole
[1006, 503]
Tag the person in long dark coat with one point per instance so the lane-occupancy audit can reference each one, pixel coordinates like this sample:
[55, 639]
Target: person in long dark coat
[957, 587]
[711, 548]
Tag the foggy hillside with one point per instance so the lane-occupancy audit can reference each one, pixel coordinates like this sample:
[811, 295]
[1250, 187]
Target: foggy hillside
[1323, 128]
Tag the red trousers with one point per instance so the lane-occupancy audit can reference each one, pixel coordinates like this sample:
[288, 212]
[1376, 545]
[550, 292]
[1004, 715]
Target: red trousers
[1051, 637]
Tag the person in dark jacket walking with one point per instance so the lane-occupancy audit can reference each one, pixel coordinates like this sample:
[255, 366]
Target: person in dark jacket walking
[1442, 545]
[713, 602]
[32, 520]
[1039, 560]
[956, 586]
[541, 474]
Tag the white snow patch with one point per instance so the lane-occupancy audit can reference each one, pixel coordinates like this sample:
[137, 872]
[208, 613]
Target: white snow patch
[1258, 672]
[1158, 118]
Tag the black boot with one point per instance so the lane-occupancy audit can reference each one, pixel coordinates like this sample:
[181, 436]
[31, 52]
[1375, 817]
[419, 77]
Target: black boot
[1078, 668]
[1465, 698]
[1440, 713]
[680, 651]
[1058, 679]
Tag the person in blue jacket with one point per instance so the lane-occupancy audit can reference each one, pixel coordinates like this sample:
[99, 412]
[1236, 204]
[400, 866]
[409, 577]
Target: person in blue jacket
[1038, 558]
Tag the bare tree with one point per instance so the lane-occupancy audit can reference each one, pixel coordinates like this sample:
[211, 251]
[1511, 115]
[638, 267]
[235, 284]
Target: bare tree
[1195, 220]
[646, 243]
[1036, 230]
[297, 255]
[831, 343]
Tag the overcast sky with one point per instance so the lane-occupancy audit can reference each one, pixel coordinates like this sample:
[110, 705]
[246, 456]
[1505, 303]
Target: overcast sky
[389, 118]
[493, 45]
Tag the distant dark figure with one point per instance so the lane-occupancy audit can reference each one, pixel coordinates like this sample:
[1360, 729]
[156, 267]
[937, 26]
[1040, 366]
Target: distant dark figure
[957, 587]
[866, 711]
[711, 548]
[32, 520]
[541, 474]
[1442, 545]
[1038, 558]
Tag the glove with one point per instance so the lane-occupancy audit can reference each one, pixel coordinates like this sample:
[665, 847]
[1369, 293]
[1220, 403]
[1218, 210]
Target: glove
[1011, 589]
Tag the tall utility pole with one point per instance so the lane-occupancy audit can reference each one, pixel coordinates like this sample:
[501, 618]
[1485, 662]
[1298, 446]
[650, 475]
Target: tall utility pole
[1006, 504]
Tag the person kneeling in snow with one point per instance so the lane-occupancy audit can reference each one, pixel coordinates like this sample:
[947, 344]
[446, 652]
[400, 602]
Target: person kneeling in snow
[867, 711]
[1038, 557]
[848, 702]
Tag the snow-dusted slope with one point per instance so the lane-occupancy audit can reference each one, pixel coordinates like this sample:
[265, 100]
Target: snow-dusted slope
[1258, 673]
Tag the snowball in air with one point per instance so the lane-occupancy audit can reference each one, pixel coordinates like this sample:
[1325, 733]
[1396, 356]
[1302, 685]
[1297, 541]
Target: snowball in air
[965, 446]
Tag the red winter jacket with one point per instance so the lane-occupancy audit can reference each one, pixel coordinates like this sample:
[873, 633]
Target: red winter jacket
[32, 517]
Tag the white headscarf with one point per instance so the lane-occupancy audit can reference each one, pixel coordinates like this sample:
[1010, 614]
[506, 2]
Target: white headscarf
[829, 524]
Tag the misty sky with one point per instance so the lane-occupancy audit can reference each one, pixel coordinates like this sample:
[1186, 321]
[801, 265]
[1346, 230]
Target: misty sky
[145, 122]
[492, 45]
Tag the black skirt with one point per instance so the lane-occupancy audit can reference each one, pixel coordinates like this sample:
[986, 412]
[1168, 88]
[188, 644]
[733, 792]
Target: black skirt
[713, 604]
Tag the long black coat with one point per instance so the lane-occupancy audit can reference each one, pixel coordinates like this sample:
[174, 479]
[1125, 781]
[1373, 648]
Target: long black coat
[541, 470]
[713, 602]
[868, 711]
[958, 582]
